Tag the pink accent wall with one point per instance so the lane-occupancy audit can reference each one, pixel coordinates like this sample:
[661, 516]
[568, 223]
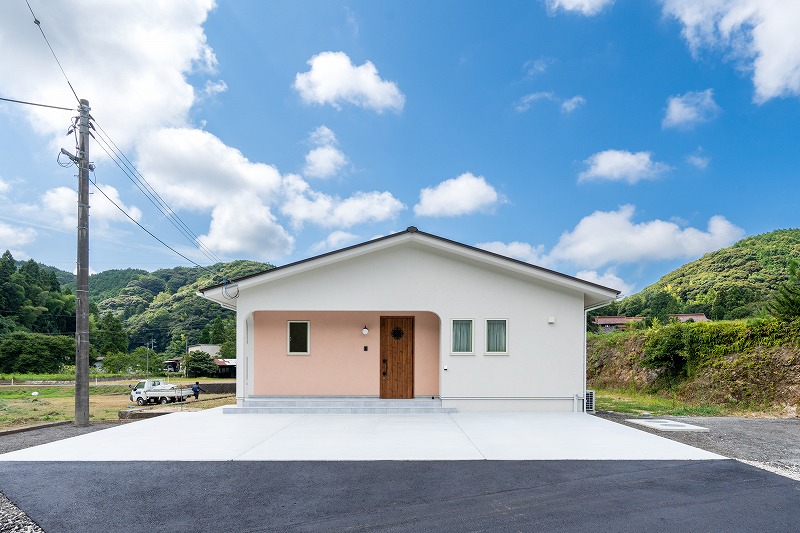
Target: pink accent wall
[337, 364]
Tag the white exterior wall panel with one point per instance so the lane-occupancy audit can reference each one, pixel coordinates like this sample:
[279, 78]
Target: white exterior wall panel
[544, 365]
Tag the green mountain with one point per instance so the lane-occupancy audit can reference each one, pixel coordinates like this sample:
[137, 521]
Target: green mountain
[734, 282]
[158, 307]
[66, 279]
[162, 306]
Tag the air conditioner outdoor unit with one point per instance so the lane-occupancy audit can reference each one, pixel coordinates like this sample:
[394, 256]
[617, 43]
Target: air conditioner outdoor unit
[588, 402]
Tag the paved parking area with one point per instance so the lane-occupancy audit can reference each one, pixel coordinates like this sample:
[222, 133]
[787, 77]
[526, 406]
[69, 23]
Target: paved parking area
[403, 496]
[211, 436]
[493, 472]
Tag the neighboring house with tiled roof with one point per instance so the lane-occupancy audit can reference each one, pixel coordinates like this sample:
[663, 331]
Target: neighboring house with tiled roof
[608, 324]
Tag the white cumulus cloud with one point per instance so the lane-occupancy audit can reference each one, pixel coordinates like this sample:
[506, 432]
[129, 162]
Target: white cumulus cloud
[326, 159]
[143, 54]
[194, 170]
[761, 35]
[333, 80]
[335, 240]
[59, 207]
[607, 237]
[606, 279]
[462, 195]
[242, 224]
[621, 165]
[518, 250]
[303, 204]
[12, 236]
[324, 162]
[689, 109]
[215, 87]
[584, 7]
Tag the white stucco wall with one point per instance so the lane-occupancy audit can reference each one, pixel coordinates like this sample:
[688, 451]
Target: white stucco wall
[544, 365]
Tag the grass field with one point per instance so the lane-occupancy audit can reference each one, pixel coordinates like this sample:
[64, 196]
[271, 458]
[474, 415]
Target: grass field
[638, 403]
[20, 407]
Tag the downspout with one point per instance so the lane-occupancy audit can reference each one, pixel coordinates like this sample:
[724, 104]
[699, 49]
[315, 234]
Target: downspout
[585, 321]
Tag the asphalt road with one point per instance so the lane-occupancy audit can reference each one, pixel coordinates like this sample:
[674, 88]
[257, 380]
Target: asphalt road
[442, 496]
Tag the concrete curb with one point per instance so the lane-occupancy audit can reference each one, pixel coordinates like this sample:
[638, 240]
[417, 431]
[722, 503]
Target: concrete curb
[11, 431]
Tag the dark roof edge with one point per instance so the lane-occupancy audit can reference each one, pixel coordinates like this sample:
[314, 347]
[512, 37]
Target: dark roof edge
[413, 229]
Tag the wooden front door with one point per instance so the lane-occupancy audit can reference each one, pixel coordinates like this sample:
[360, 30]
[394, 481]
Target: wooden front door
[397, 357]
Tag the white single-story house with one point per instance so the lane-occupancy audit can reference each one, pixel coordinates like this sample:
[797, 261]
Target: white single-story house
[414, 315]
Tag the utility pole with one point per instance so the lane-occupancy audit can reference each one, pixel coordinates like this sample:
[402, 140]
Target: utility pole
[82, 282]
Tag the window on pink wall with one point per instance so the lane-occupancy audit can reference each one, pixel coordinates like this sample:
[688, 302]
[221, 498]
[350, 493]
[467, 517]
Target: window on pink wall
[299, 333]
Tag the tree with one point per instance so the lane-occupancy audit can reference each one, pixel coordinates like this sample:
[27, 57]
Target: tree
[785, 303]
[35, 353]
[110, 335]
[121, 362]
[199, 364]
[221, 331]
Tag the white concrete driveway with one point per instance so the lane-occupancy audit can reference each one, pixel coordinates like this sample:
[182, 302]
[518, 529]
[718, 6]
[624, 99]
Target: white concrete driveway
[212, 436]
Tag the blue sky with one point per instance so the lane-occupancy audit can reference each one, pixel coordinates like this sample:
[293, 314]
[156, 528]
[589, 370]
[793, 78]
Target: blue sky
[612, 140]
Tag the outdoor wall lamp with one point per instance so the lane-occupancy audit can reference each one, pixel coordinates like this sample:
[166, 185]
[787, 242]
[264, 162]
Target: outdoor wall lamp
[365, 330]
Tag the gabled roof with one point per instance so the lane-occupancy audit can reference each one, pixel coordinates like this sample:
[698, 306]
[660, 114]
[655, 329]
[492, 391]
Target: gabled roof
[594, 294]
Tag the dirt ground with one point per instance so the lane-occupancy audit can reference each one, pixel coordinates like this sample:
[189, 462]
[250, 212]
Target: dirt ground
[28, 411]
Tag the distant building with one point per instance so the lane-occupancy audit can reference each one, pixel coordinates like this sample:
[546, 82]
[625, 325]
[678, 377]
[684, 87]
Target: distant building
[176, 364]
[173, 365]
[608, 324]
[226, 368]
[690, 317]
[210, 349]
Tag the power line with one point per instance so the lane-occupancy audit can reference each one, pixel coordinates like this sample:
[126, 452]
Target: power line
[39, 25]
[147, 230]
[34, 103]
[132, 173]
[150, 193]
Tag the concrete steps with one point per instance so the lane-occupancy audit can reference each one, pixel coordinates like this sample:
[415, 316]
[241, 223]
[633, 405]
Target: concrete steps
[337, 405]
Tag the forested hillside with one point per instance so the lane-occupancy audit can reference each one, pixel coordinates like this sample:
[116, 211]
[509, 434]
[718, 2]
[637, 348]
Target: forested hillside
[751, 364]
[731, 283]
[129, 309]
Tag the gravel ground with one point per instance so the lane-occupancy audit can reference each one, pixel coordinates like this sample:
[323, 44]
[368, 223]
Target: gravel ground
[769, 443]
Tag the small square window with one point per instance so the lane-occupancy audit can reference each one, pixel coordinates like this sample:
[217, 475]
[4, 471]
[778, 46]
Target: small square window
[496, 336]
[462, 336]
[299, 333]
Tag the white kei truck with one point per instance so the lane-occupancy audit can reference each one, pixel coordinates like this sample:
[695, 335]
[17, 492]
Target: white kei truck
[156, 391]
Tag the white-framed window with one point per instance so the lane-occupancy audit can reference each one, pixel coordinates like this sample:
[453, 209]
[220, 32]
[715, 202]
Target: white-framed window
[299, 337]
[497, 336]
[462, 336]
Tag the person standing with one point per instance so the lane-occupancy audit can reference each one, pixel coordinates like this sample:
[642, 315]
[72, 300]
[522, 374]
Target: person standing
[196, 390]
